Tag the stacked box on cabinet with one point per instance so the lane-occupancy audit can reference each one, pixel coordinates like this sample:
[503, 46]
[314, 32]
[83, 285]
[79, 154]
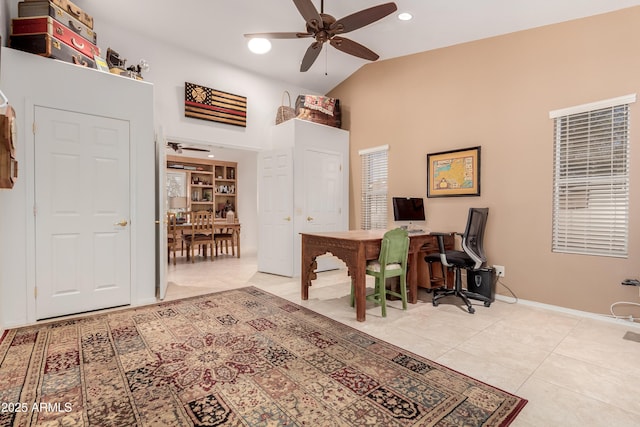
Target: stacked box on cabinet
[70, 8]
[46, 29]
[31, 8]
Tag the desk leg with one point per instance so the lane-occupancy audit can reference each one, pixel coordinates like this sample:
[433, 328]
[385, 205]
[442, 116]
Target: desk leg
[307, 274]
[356, 266]
[412, 277]
[237, 233]
[360, 289]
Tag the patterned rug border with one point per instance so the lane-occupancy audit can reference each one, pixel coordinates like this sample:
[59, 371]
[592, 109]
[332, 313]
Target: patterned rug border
[253, 290]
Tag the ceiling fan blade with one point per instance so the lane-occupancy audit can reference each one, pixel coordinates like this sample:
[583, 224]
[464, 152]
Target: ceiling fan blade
[362, 18]
[310, 56]
[353, 48]
[309, 13]
[278, 35]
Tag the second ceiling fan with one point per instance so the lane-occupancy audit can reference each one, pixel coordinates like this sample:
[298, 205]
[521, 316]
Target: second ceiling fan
[325, 28]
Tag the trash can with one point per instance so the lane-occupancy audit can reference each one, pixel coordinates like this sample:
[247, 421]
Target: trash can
[483, 282]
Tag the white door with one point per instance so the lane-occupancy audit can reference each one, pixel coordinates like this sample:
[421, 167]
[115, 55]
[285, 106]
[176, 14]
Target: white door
[161, 217]
[323, 196]
[82, 212]
[275, 212]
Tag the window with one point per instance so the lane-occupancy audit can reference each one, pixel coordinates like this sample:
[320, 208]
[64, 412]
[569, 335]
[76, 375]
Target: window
[591, 178]
[373, 205]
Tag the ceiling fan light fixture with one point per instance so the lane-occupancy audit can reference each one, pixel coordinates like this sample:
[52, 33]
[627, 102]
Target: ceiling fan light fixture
[259, 46]
[405, 16]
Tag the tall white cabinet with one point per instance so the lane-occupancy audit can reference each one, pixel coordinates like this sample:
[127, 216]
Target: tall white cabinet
[85, 146]
[303, 186]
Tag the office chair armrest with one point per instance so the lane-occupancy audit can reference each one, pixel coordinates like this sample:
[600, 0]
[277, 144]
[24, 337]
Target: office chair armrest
[440, 237]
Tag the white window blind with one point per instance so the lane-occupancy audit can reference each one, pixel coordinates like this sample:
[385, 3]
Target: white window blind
[373, 205]
[591, 179]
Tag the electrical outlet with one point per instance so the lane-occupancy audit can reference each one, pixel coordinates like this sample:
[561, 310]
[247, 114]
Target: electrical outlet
[499, 270]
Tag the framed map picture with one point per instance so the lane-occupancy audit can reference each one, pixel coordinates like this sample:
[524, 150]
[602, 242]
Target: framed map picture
[454, 173]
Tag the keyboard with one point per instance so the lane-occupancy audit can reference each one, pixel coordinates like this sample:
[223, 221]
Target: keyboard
[416, 231]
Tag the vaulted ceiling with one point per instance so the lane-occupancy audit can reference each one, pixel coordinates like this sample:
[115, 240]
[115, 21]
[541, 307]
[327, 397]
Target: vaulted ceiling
[216, 28]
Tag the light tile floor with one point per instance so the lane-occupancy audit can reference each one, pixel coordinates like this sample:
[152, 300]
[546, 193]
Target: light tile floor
[575, 371]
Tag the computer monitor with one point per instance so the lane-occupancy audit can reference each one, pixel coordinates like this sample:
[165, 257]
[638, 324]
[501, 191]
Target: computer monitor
[408, 209]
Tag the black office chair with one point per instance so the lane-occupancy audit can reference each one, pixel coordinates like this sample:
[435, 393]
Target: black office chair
[470, 258]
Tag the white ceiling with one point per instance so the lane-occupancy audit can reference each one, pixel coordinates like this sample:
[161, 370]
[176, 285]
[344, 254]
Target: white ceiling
[215, 28]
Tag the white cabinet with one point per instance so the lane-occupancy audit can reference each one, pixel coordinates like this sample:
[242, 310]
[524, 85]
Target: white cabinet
[37, 86]
[303, 186]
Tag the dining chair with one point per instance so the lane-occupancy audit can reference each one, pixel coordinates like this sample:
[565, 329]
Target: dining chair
[172, 237]
[392, 262]
[225, 236]
[201, 234]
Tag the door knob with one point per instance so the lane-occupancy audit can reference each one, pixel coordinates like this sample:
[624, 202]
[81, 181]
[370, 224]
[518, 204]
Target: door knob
[309, 218]
[122, 223]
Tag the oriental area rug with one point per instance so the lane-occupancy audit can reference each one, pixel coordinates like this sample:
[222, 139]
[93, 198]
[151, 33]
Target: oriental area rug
[241, 357]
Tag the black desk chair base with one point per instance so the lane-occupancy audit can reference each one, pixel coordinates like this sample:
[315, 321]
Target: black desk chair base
[463, 294]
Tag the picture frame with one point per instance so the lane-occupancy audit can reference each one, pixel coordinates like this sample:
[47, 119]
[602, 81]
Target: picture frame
[454, 173]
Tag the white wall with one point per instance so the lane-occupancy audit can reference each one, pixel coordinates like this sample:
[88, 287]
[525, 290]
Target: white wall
[170, 68]
[29, 80]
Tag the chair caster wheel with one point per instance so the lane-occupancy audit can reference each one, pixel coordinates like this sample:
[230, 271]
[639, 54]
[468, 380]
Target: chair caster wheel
[472, 310]
[487, 304]
[435, 303]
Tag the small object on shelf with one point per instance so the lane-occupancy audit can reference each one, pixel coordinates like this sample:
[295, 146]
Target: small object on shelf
[319, 109]
[117, 66]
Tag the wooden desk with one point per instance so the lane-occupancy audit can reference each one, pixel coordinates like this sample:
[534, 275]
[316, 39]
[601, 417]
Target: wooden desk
[355, 248]
[233, 226]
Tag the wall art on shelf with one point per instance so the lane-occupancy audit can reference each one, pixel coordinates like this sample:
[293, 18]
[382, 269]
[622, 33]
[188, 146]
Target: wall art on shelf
[204, 103]
[454, 173]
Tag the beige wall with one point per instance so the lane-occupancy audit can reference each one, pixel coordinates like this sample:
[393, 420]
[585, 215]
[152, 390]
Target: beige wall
[497, 93]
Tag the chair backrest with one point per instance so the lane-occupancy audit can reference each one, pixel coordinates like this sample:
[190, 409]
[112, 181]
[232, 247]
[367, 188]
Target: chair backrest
[172, 232]
[201, 222]
[474, 235]
[394, 248]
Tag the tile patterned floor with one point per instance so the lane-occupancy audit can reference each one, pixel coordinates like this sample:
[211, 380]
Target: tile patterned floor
[575, 371]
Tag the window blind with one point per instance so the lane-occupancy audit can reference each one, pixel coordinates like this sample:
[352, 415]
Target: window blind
[591, 181]
[373, 205]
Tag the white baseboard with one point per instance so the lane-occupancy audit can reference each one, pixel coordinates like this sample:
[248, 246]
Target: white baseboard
[579, 313]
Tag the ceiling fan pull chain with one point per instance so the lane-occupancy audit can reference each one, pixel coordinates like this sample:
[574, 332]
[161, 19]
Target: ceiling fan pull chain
[326, 60]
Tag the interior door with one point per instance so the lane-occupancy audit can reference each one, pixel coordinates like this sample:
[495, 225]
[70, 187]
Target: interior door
[275, 212]
[323, 196]
[82, 212]
[161, 217]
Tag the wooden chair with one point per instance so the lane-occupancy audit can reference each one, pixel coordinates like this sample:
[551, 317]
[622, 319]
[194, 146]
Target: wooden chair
[392, 262]
[225, 236]
[201, 234]
[173, 242]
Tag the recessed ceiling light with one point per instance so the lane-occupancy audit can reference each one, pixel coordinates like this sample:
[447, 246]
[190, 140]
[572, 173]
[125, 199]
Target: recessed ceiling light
[259, 45]
[405, 16]
[211, 156]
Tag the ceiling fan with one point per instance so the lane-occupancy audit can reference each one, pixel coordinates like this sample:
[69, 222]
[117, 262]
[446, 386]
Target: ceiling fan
[323, 27]
[178, 147]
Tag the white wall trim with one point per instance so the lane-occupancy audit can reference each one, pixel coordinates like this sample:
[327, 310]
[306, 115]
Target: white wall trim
[373, 149]
[579, 313]
[597, 105]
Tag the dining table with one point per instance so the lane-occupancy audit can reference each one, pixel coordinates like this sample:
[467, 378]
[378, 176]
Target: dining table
[219, 226]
